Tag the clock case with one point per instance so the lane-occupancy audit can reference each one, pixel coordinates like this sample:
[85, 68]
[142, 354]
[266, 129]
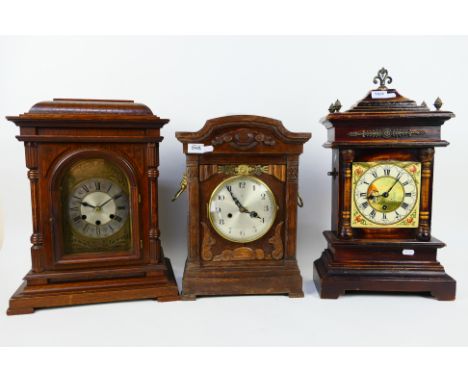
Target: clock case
[243, 145]
[380, 260]
[57, 134]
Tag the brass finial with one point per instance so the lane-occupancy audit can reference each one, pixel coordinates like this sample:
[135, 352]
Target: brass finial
[337, 105]
[331, 108]
[438, 103]
[423, 104]
[382, 77]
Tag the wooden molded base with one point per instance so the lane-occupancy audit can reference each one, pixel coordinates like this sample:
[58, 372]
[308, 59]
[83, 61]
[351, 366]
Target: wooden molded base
[157, 284]
[215, 281]
[380, 266]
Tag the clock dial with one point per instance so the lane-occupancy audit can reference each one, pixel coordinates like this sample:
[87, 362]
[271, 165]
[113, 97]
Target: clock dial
[386, 194]
[98, 208]
[242, 209]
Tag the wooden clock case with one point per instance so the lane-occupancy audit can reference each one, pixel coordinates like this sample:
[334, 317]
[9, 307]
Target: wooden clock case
[366, 259]
[264, 148]
[57, 134]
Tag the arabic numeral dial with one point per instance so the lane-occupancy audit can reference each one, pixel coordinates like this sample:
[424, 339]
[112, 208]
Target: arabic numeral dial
[242, 209]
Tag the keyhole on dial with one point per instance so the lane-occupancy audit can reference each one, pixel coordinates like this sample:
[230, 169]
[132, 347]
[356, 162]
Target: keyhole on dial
[229, 215]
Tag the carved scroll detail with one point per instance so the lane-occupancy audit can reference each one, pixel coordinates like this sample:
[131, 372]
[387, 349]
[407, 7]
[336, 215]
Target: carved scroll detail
[244, 139]
[207, 243]
[242, 253]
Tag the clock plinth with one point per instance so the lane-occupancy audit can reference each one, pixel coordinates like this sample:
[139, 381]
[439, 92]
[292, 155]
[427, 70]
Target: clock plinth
[382, 176]
[381, 266]
[93, 169]
[242, 182]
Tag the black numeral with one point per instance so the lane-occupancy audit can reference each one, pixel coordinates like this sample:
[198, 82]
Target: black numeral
[220, 197]
[404, 205]
[229, 188]
[241, 184]
[374, 173]
[221, 221]
[76, 218]
[253, 187]
[363, 195]
[98, 231]
[117, 218]
[384, 216]
[387, 171]
[120, 207]
[97, 185]
[263, 196]
[408, 194]
[372, 214]
[405, 183]
[364, 205]
[85, 187]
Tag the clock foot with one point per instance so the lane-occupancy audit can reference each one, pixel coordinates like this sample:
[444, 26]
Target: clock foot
[14, 311]
[299, 294]
[188, 297]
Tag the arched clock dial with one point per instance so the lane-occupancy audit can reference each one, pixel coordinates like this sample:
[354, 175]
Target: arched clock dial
[98, 208]
[386, 193]
[242, 209]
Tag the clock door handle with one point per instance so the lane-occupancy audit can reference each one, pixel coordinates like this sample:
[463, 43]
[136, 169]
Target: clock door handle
[182, 187]
[300, 202]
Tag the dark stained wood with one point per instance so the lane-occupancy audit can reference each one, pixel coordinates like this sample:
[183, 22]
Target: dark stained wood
[369, 259]
[216, 266]
[57, 134]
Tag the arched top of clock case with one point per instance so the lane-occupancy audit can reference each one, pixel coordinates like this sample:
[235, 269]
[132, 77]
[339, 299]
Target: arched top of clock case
[245, 134]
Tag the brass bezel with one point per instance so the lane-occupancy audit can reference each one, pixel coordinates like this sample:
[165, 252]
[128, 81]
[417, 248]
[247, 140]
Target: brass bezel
[220, 185]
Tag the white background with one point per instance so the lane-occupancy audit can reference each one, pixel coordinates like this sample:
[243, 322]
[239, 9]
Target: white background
[189, 80]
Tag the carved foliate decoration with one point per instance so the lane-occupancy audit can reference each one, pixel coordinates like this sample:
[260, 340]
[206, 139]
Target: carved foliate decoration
[276, 170]
[244, 139]
[386, 133]
[243, 252]
[243, 169]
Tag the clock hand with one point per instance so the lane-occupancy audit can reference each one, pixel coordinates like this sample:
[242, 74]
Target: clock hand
[103, 204]
[385, 194]
[86, 204]
[238, 204]
[253, 214]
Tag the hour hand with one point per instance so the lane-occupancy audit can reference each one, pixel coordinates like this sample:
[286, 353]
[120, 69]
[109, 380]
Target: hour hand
[253, 214]
[86, 204]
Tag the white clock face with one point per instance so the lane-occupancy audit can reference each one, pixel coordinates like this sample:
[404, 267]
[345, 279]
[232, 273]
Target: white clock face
[386, 194]
[242, 209]
[98, 208]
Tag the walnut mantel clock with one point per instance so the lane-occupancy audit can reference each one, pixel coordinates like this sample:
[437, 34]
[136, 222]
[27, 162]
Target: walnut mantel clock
[242, 180]
[93, 169]
[383, 157]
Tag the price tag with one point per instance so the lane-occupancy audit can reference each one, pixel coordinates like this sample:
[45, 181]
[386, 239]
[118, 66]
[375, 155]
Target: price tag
[382, 94]
[199, 148]
[408, 252]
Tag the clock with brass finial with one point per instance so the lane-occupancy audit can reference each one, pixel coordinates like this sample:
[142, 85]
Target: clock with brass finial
[382, 177]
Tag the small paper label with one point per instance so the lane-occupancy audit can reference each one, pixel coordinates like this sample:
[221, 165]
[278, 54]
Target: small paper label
[382, 94]
[408, 252]
[199, 148]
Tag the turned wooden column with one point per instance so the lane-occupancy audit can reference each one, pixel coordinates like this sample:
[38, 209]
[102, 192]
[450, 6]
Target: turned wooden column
[427, 163]
[345, 231]
[153, 174]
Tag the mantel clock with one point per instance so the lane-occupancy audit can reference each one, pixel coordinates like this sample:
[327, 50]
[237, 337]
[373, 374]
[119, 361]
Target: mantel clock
[383, 160]
[242, 180]
[93, 169]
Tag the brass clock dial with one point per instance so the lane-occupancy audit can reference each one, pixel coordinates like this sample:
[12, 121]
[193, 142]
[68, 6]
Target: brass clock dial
[242, 209]
[386, 194]
[98, 208]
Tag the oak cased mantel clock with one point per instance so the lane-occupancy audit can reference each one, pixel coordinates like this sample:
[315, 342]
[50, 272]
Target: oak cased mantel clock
[93, 169]
[242, 181]
[382, 171]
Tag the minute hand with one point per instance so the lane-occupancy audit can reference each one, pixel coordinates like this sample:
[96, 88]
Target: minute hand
[238, 204]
